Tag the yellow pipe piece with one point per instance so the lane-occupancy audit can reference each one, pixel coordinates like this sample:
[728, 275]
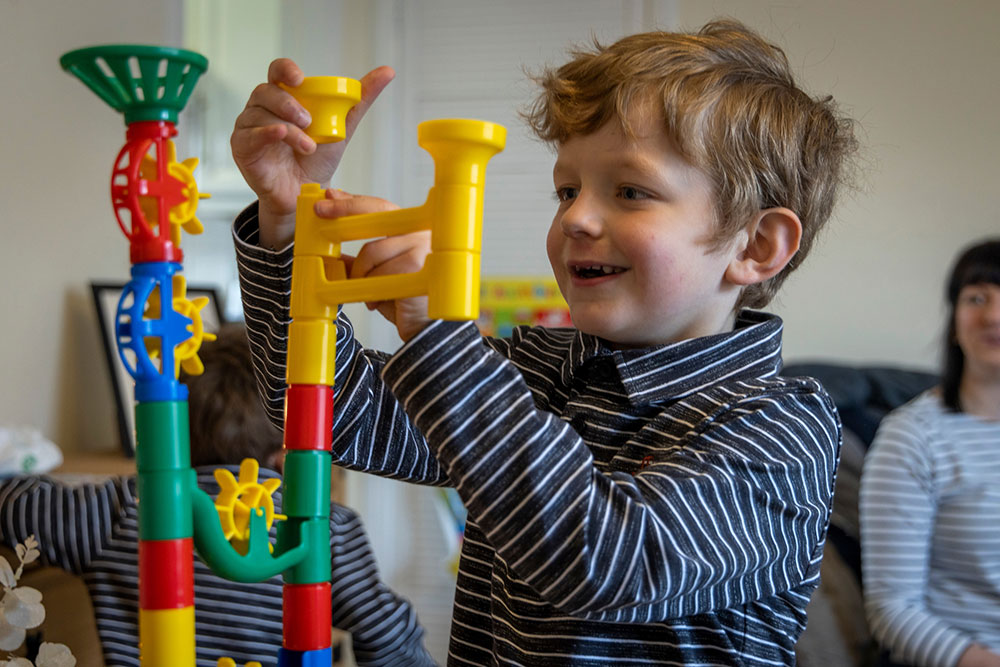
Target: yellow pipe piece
[166, 637]
[453, 213]
[312, 347]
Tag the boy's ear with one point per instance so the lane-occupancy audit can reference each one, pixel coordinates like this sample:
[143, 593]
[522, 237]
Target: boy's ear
[769, 242]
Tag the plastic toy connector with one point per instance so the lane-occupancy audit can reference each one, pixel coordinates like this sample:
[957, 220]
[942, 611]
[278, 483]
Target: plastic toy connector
[327, 99]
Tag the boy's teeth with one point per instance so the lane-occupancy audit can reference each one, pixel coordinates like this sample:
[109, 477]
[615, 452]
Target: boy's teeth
[599, 269]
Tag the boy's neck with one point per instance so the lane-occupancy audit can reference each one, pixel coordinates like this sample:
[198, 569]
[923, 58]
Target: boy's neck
[725, 327]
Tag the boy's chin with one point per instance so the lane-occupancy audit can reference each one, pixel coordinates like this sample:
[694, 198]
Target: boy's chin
[603, 329]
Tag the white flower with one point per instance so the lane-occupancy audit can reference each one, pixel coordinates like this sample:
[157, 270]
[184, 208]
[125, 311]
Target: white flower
[21, 610]
[7, 578]
[54, 655]
[16, 662]
[10, 637]
[22, 607]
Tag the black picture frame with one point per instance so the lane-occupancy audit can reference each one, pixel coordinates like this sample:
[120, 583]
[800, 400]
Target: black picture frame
[106, 297]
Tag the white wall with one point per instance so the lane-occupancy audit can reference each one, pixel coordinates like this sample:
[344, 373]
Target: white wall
[57, 148]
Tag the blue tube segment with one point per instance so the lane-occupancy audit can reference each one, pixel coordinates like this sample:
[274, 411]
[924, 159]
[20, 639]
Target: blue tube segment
[134, 328]
[319, 658]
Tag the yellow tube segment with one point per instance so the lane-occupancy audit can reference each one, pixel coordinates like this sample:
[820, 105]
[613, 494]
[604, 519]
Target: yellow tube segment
[312, 347]
[166, 637]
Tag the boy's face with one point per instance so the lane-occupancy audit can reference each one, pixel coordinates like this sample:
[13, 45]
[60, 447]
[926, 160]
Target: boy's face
[629, 243]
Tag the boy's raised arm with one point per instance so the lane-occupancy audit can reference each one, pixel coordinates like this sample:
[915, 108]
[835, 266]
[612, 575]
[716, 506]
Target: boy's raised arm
[275, 155]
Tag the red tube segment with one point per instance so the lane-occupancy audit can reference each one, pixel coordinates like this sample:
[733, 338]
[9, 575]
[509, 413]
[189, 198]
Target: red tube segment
[308, 417]
[307, 616]
[166, 574]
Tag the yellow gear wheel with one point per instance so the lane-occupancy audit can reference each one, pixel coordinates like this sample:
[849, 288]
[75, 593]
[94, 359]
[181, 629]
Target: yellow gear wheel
[182, 215]
[237, 498]
[185, 353]
[229, 662]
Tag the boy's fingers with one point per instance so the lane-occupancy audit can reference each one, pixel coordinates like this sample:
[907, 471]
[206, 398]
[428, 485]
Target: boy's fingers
[270, 101]
[392, 255]
[284, 70]
[372, 85]
[339, 203]
[249, 142]
[364, 266]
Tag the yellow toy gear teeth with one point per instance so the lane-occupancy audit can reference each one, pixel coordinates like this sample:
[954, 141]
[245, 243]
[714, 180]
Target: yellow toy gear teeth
[229, 662]
[185, 353]
[182, 215]
[238, 498]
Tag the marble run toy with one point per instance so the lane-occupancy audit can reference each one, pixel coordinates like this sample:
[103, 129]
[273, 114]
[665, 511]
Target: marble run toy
[157, 328]
[159, 331]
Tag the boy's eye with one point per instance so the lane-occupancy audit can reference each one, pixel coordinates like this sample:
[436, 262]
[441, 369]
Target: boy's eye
[567, 193]
[631, 193]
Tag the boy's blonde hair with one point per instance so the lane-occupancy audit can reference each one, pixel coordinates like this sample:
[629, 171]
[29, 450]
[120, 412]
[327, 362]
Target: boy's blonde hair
[731, 107]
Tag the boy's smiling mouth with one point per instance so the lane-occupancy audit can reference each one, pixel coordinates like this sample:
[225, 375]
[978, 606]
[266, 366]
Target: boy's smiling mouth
[591, 271]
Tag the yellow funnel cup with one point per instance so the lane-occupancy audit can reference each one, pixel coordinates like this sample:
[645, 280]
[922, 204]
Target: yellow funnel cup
[327, 99]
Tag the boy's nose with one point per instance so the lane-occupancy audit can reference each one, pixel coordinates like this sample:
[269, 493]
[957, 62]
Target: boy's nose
[581, 218]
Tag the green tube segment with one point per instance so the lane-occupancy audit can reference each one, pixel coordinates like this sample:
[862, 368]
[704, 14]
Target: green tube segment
[314, 567]
[162, 436]
[165, 504]
[306, 492]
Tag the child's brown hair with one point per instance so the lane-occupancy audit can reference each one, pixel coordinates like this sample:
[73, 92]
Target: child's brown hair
[730, 106]
[228, 421]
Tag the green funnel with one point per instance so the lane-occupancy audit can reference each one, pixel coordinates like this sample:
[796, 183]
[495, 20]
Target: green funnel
[143, 82]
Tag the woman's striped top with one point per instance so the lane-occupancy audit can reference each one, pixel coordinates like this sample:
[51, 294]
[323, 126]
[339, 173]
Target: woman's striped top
[930, 533]
[665, 505]
[92, 530]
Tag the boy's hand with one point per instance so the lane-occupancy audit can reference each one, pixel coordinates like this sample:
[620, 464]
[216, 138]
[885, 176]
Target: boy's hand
[387, 256]
[275, 155]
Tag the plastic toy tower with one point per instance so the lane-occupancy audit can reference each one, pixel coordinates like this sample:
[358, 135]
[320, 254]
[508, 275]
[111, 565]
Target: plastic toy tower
[157, 329]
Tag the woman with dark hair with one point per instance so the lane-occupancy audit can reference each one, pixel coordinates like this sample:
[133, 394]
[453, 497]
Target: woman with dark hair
[930, 493]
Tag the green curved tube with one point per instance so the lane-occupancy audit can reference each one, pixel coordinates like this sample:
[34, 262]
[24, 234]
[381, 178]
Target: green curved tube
[258, 564]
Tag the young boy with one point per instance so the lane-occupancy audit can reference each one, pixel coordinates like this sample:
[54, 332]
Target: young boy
[643, 488]
[91, 530]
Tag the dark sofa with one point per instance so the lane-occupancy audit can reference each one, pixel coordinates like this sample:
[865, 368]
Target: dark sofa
[837, 634]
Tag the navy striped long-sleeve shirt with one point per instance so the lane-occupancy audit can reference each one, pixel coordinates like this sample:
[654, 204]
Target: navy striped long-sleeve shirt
[664, 505]
[92, 530]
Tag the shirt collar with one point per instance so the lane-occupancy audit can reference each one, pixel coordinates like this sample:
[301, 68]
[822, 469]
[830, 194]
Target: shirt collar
[670, 372]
